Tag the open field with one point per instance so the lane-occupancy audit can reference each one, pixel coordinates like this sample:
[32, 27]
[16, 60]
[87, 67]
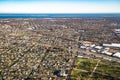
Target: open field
[105, 70]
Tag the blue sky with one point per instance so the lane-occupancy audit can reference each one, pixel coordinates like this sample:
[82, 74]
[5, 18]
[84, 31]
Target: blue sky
[59, 6]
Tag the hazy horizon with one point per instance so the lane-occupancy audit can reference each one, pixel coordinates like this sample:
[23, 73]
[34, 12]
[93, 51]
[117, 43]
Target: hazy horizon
[56, 6]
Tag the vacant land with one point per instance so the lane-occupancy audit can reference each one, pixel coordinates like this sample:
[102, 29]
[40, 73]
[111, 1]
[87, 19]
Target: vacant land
[104, 71]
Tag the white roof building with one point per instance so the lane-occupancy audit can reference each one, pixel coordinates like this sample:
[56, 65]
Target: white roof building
[93, 45]
[108, 53]
[117, 54]
[93, 51]
[112, 45]
[86, 45]
[82, 47]
[117, 30]
[80, 56]
[98, 47]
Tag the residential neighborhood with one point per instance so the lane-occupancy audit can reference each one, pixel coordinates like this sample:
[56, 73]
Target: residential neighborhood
[51, 49]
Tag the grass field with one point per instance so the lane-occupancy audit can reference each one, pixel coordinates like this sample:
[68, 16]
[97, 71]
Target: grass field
[105, 70]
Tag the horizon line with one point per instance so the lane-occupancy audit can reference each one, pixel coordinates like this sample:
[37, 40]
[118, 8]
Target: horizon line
[66, 13]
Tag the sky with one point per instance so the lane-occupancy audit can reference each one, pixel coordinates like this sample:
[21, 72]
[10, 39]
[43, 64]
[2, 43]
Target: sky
[59, 6]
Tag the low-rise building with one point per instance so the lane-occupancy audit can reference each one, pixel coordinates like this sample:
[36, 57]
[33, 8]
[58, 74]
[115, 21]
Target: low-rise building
[117, 54]
[108, 53]
[113, 45]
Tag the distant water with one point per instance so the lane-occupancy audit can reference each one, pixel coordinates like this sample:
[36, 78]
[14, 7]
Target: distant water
[58, 15]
